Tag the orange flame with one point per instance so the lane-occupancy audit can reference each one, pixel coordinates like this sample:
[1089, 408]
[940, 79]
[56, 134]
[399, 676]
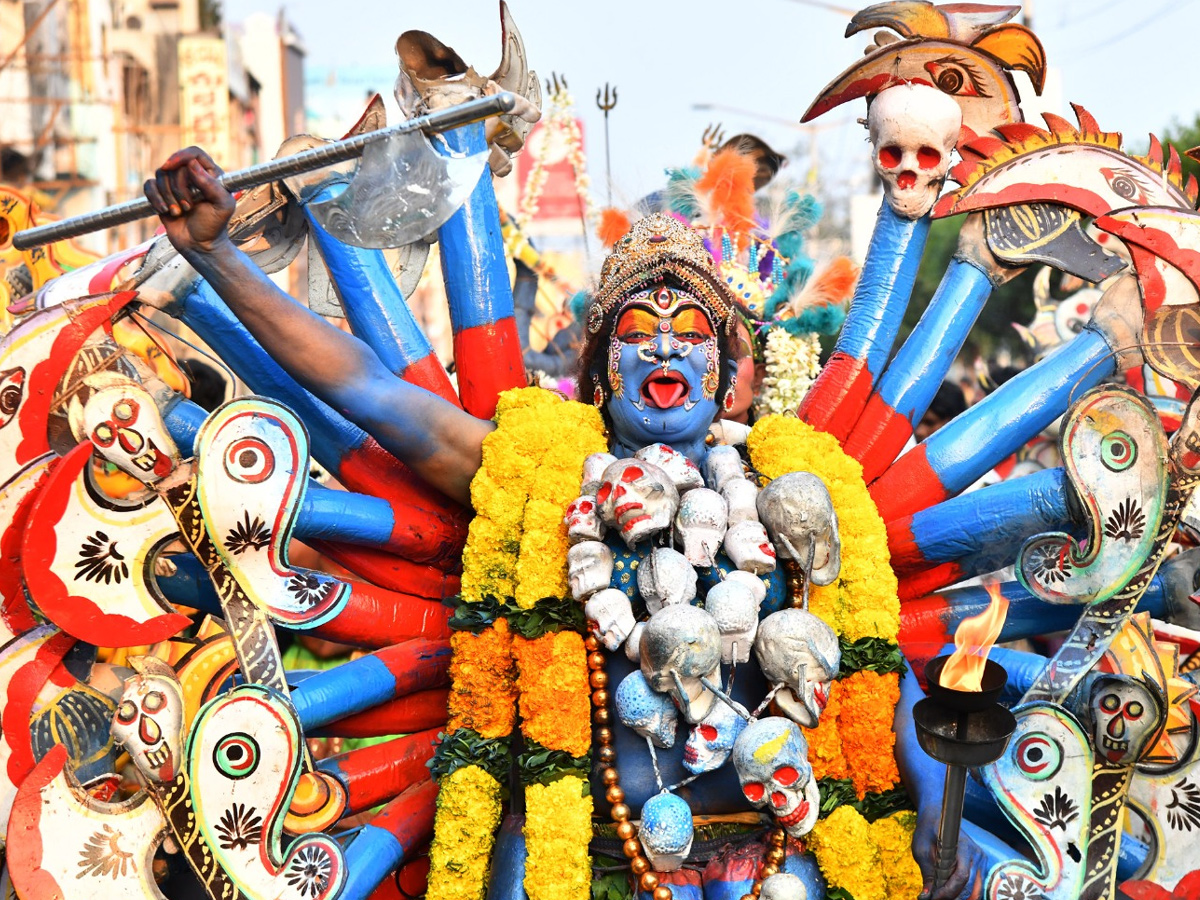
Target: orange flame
[973, 639]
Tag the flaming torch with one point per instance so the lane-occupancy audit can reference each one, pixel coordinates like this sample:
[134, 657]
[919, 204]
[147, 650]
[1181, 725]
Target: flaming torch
[961, 723]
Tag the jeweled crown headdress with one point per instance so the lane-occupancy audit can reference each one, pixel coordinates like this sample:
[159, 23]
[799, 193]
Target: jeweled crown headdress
[657, 248]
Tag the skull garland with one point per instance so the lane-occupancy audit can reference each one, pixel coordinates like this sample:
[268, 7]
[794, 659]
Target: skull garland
[149, 720]
[589, 569]
[721, 465]
[666, 831]
[701, 522]
[913, 130]
[644, 710]
[1126, 715]
[798, 650]
[665, 579]
[711, 739]
[749, 548]
[680, 648]
[798, 512]
[638, 499]
[593, 472]
[771, 759]
[610, 617]
[741, 500]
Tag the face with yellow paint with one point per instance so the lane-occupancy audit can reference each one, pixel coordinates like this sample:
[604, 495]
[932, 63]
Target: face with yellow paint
[771, 759]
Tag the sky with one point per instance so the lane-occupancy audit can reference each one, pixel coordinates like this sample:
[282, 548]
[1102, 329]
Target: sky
[755, 65]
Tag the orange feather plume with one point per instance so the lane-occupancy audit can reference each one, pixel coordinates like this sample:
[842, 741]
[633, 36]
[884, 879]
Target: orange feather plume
[614, 224]
[833, 284]
[728, 182]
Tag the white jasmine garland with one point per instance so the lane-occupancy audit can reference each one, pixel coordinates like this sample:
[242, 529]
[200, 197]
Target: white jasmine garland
[793, 363]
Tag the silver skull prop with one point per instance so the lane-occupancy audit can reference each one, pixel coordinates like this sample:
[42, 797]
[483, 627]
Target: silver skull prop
[913, 130]
[680, 649]
[711, 739]
[637, 498]
[700, 525]
[735, 610]
[684, 473]
[589, 568]
[149, 720]
[771, 759]
[799, 515]
[665, 578]
[1125, 716]
[798, 650]
[583, 520]
[748, 547]
[646, 711]
[666, 831]
[610, 617]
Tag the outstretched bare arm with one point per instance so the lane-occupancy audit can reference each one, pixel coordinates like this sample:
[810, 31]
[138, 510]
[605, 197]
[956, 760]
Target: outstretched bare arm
[439, 441]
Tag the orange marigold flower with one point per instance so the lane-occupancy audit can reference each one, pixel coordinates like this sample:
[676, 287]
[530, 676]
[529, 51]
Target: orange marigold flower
[825, 741]
[483, 693]
[868, 742]
[552, 681]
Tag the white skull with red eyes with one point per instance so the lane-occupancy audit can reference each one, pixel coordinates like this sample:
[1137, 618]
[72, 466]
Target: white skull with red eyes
[583, 520]
[1125, 715]
[913, 130]
[124, 425]
[149, 720]
[711, 740]
[771, 759]
[637, 498]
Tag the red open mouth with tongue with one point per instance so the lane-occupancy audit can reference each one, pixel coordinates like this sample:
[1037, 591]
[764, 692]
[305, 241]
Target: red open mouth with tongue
[665, 390]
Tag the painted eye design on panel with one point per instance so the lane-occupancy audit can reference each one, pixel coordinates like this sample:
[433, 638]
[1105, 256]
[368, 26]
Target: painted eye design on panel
[249, 461]
[236, 755]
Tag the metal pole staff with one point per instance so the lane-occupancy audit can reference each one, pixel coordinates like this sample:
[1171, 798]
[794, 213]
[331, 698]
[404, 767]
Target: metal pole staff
[608, 102]
[276, 169]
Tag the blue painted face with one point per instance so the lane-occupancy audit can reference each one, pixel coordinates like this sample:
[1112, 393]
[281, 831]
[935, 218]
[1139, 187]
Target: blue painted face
[663, 360]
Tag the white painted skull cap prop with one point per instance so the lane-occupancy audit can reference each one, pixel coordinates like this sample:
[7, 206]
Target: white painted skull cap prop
[749, 548]
[721, 464]
[684, 473]
[610, 617]
[798, 512]
[756, 585]
[783, 886]
[583, 520]
[913, 131]
[589, 568]
[593, 471]
[666, 831]
[700, 526]
[637, 498]
[741, 497]
[665, 578]
[734, 609]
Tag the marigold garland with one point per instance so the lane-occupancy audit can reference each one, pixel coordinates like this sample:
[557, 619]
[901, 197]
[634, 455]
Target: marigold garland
[558, 828]
[468, 811]
[863, 602]
[552, 683]
[870, 861]
[868, 742]
[483, 695]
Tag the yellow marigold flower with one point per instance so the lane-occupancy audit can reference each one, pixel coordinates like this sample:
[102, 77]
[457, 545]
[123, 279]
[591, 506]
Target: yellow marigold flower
[468, 811]
[893, 837]
[558, 827]
[847, 854]
[825, 741]
[483, 693]
[520, 398]
[494, 501]
[552, 681]
[868, 742]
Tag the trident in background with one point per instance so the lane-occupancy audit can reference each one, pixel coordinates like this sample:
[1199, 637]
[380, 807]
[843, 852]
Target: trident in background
[607, 100]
